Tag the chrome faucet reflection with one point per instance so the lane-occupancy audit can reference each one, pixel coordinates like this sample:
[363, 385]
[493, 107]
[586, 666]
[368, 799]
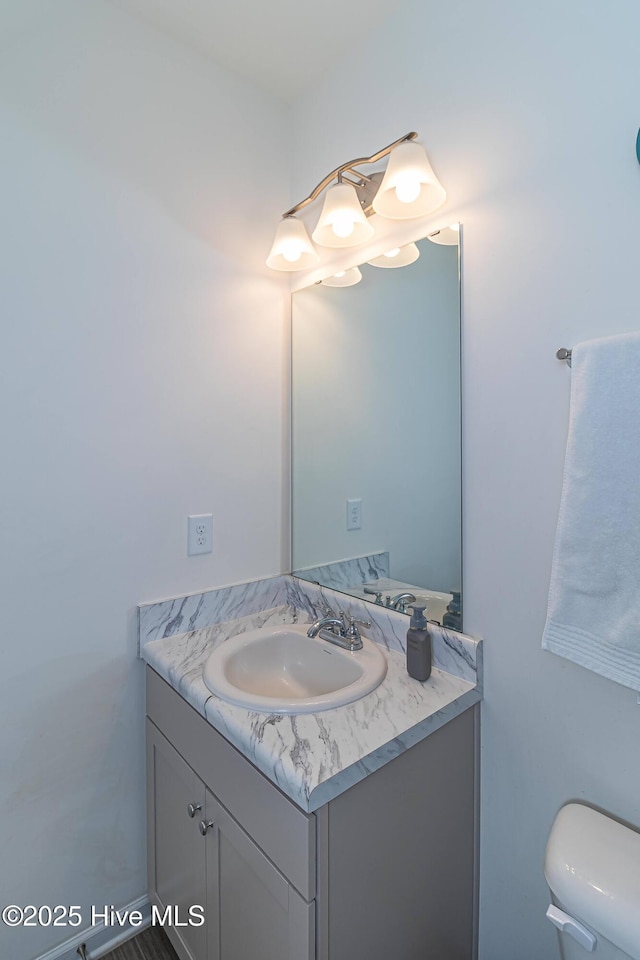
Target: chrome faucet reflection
[399, 602]
[341, 630]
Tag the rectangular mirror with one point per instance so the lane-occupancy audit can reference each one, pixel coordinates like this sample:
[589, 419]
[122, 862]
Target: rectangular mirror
[376, 433]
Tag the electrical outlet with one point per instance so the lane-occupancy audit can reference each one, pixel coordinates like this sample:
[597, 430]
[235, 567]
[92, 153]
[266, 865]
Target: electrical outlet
[200, 534]
[354, 514]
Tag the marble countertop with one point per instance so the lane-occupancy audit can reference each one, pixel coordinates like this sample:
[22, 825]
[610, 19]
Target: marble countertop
[313, 758]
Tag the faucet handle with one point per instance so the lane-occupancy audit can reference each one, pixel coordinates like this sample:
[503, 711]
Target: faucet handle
[351, 627]
[376, 593]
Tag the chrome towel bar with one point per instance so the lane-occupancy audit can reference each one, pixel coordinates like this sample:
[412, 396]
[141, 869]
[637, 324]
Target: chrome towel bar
[564, 354]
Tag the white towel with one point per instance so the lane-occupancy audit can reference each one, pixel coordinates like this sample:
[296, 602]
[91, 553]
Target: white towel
[593, 617]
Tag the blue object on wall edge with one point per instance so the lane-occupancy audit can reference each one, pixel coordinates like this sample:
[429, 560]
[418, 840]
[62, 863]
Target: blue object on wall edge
[638, 146]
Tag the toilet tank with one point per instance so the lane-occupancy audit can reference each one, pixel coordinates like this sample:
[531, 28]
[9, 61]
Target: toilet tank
[592, 866]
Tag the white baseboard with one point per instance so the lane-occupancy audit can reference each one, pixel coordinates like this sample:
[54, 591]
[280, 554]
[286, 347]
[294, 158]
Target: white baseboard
[101, 939]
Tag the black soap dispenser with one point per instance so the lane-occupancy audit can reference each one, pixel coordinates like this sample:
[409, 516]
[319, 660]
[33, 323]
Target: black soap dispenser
[418, 645]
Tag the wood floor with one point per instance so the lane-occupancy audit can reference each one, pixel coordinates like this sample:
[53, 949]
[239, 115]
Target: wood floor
[151, 944]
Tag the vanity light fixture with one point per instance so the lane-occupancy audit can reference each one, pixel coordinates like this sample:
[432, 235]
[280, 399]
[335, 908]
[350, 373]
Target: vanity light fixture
[292, 248]
[409, 188]
[345, 278]
[342, 222]
[447, 236]
[398, 257]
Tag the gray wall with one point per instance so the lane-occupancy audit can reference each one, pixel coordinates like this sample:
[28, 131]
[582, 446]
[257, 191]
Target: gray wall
[529, 113]
[135, 306]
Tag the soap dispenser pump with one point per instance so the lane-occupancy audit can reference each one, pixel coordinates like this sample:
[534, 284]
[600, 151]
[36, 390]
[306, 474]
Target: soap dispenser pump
[418, 645]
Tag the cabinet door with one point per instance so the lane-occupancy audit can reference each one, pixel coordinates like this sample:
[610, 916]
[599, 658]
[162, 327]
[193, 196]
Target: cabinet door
[258, 914]
[176, 848]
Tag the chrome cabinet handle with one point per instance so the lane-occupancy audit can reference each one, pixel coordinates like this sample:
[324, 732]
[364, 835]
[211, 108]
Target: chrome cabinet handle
[205, 826]
[193, 808]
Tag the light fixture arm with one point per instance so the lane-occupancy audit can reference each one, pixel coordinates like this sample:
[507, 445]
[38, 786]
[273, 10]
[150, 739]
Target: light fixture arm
[315, 193]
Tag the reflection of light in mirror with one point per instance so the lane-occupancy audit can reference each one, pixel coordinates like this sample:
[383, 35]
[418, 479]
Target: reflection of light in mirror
[398, 257]
[345, 278]
[447, 236]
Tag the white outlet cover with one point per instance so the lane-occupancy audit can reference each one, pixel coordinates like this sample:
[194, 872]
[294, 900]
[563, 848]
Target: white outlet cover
[199, 534]
[354, 514]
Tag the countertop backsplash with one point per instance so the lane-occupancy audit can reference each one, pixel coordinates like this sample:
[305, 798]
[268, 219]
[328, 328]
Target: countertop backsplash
[453, 652]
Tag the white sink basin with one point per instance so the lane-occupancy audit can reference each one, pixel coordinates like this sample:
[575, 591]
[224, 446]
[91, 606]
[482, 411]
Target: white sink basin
[282, 670]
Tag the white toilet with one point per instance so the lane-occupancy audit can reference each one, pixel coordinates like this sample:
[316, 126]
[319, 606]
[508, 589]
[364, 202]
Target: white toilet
[592, 866]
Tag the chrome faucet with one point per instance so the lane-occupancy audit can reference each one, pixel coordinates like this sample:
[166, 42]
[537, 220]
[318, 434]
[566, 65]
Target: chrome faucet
[341, 630]
[325, 623]
[400, 602]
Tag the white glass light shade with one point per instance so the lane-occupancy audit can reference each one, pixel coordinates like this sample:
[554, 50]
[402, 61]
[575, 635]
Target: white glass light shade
[409, 187]
[398, 257]
[346, 278]
[342, 222]
[292, 248]
[447, 236]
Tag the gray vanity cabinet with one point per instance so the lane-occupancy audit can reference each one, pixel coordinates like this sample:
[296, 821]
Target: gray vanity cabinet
[176, 861]
[385, 869]
[259, 914]
[199, 854]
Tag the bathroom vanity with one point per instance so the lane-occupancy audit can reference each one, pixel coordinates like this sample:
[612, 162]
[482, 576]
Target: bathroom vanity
[340, 835]
[344, 833]
[383, 870]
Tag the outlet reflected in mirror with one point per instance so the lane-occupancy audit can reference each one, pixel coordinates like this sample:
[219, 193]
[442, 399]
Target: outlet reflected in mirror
[376, 423]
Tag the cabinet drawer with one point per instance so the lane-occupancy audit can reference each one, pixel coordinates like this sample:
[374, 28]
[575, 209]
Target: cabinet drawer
[285, 833]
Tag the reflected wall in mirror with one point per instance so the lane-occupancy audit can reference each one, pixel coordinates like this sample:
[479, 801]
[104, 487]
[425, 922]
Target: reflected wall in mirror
[376, 435]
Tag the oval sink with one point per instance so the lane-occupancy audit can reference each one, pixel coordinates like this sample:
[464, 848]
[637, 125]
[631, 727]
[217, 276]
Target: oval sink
[282, 670]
